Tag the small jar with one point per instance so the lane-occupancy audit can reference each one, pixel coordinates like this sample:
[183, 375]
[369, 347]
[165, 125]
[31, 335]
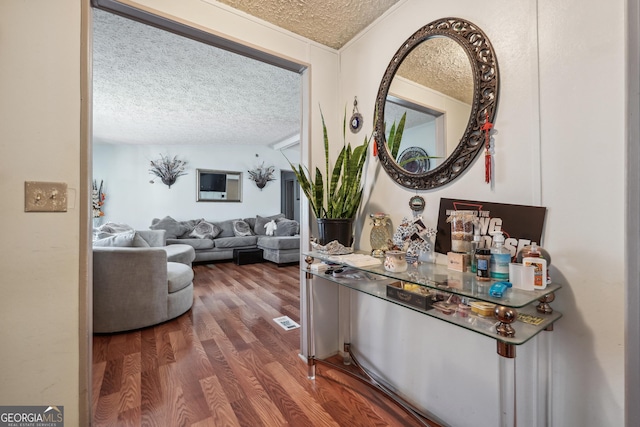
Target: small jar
[483, 262]
[463, 310]
[395, 262]
[461, 230]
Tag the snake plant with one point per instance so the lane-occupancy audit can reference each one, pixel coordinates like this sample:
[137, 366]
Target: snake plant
[337, 193]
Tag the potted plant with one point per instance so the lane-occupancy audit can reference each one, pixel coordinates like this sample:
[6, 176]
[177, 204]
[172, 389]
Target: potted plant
[335, 196]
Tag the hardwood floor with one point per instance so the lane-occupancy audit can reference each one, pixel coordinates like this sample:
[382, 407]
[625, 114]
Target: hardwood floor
[227, 363]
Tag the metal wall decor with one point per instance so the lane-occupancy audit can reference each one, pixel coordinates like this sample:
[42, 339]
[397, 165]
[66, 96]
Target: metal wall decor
[484, 68]
[167, 169]
[262, 174]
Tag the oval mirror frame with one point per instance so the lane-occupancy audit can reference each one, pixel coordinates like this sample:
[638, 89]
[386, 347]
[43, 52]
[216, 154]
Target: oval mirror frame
[484, 67]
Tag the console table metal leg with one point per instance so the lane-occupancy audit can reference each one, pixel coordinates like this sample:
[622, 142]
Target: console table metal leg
[311, 346]
[544, 307]
[507, 392]
[344, 322]
[507, 368]
[546, 373]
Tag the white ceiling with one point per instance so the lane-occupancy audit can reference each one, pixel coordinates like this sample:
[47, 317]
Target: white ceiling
[151, 86]
[154, 87]
[329, 22]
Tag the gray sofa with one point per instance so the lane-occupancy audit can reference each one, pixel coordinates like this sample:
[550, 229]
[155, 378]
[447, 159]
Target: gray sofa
[140, 284]
[281, 248]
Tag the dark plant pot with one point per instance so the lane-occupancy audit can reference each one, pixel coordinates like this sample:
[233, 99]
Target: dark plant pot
[335, 229]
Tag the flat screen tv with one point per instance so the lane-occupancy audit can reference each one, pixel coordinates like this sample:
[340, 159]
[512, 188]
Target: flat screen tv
[213, 182]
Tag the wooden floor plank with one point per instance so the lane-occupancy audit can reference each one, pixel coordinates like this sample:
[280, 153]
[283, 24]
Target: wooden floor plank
[227, 363]
[222, 413]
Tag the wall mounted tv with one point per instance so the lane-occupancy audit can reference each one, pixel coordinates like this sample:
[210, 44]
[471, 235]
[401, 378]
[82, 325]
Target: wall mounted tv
[219, 186]
[213, 182]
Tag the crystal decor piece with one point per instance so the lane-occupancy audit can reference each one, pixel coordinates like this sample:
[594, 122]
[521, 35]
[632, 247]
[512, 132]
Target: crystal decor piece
[380, 234]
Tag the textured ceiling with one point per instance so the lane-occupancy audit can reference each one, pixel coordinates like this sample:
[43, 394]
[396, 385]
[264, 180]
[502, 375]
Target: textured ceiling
[154, 87]
[441, 64]
[329, 22]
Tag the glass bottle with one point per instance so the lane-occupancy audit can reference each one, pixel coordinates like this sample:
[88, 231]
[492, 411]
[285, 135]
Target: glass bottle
[483, 263]
[380, 235]
[500, 258]
[475, 245]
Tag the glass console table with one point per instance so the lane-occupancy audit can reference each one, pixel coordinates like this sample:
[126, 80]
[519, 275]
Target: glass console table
[517, 317]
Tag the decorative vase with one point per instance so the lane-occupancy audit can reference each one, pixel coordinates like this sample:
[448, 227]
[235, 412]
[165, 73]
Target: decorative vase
[335, 229]
[395, 261]
[380, 234]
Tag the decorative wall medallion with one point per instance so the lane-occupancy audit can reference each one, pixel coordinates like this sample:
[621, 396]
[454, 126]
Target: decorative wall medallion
[355, 124]
[417, 203]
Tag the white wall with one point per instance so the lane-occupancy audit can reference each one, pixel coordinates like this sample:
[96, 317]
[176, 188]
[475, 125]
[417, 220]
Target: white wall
[43, 283]
[581, 107]
[40, 134]
[586, 204]
[577, 116]
[132, 199]
[456, 112]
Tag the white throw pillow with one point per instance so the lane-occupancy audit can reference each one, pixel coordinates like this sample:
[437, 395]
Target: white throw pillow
[120, 240]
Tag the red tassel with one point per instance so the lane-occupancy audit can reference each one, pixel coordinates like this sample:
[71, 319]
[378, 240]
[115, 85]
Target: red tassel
[375, 148]
[486, 127]
[487, 166]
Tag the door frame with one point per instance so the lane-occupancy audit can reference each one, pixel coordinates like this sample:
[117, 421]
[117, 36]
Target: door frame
[85, 256]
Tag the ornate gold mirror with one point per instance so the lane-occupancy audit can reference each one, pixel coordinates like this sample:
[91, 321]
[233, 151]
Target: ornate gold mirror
[445, 79]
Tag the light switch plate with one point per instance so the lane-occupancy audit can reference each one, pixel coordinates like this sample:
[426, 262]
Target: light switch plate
[45, 196]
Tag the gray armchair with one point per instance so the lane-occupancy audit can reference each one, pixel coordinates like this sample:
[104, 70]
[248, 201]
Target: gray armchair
[135, 287]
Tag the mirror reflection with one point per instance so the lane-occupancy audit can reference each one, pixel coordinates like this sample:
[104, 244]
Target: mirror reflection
[219, 186]
[444, 82]
[434, 87]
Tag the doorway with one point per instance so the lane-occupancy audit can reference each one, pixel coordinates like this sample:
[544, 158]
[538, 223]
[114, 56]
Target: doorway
[290, 195]
[183, 30]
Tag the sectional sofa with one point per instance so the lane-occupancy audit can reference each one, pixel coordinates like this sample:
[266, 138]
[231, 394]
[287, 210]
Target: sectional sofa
[215, 240]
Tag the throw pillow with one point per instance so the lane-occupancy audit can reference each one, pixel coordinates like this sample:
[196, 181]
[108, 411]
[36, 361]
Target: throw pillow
[205, 230]
[139, 242]
[173, 228]
[241, 228]
[114, 228]
[120, 240]
[251, 222]
[227, 227]
[260, 223]
[287, 227]
[189, 226]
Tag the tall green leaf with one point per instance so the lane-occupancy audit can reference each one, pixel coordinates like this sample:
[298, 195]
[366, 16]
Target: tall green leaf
[341, 194]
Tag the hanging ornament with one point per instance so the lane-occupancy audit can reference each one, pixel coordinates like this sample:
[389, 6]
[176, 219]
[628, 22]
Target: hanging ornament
[417, 204]
[486, 128]
[355, 124]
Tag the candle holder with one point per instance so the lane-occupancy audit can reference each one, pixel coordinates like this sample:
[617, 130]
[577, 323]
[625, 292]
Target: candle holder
[380, 234]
